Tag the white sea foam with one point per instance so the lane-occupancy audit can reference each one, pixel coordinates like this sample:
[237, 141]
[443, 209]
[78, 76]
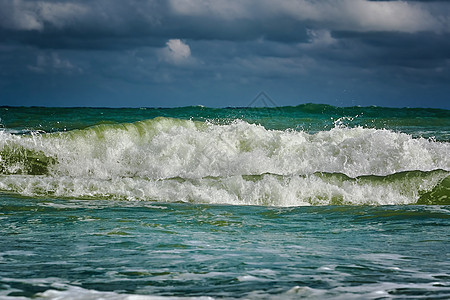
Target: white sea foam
[268, 189]
[63, 291]
[78, 293]
[369, 291]
[180, 160]
[165, 148]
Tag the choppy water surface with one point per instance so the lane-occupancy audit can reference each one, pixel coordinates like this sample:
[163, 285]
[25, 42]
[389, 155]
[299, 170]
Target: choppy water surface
[90, 248]
[310, 201]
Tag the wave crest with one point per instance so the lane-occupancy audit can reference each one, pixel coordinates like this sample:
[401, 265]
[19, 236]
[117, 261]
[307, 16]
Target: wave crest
[84, 163]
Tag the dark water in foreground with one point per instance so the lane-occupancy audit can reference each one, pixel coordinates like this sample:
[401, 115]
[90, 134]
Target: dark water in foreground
[311, 202]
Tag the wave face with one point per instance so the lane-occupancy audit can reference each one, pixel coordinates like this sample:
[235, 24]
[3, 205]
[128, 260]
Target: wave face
[236, 162]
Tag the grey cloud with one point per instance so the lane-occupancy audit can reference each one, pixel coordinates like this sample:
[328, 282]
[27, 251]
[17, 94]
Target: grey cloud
[83, 24]
[357, 15]
[53, 63]
[104, 23]
[414, 50]
[112, 17]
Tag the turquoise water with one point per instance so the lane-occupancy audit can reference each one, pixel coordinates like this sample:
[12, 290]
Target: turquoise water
[311, 202]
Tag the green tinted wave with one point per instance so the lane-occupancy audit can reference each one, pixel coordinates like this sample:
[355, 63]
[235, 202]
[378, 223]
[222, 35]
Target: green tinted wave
[20, 160]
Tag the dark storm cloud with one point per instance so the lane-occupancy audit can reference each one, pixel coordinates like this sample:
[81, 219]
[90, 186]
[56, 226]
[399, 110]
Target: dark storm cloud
[47, 23]
[391, 48]
[80, 24]
[257, 42]
[380, 26]
[119, 24]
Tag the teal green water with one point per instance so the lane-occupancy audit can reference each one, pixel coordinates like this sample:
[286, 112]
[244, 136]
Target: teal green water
[313, 201]
[76, 249]
[424, 122]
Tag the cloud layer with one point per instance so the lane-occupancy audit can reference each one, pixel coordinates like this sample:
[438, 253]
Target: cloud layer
[154, 17]
[212, 46]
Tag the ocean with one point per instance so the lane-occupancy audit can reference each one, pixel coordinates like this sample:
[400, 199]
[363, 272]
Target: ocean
[310, 201]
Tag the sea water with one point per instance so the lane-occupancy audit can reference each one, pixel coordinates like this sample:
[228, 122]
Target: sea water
[312, 201]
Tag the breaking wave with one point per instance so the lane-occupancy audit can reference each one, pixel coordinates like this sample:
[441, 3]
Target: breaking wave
[166, 159]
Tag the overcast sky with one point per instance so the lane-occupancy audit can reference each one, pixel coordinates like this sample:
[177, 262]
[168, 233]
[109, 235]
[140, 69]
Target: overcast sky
[224, 52]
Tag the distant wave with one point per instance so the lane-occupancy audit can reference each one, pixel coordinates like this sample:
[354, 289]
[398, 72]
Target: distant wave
[308, 117]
